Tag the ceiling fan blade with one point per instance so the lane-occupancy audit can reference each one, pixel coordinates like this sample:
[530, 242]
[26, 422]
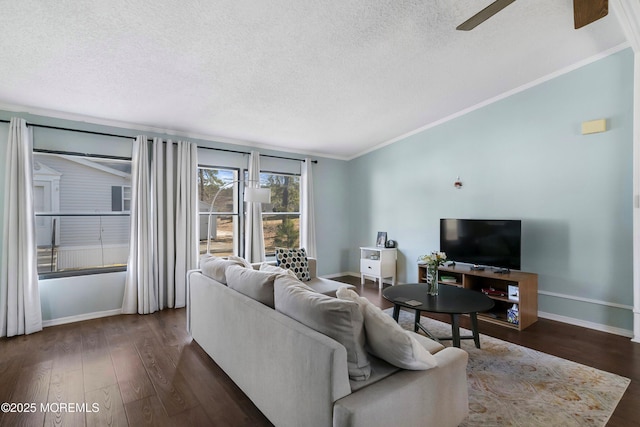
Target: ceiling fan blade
[587, 11]
[485, 14]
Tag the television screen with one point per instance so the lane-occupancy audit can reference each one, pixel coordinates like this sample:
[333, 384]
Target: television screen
[484, 242]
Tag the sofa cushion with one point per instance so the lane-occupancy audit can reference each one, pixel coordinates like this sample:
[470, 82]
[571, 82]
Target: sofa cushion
[273, 269]
[379, 371]
[294, 260]
[432, 346]
[214, 267]
[338, 319]
[326, 286]
[388, 340]
[239, 260]
[257, 285]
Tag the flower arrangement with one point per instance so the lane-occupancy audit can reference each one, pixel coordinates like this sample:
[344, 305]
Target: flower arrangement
[434, 259]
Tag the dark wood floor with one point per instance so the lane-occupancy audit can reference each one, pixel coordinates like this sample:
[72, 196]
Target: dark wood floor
[145, 370]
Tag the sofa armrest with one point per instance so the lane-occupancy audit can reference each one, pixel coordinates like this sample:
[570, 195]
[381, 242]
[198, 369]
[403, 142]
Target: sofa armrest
[436, 396]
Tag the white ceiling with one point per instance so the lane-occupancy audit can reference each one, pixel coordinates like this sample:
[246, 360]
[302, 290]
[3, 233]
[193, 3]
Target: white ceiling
[334, 78]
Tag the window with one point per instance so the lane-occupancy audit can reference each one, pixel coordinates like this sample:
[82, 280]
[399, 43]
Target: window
[81, 226]
[121, 198]
[225, 221]
[281, 218]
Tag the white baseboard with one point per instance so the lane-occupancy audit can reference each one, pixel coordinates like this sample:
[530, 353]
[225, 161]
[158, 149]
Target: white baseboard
[80, 317]
[586, 324]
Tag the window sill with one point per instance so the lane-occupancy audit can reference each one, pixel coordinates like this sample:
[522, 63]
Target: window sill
[87, 272]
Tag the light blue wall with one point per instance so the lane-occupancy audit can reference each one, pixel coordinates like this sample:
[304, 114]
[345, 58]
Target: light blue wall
[79, 296]
[521, 158]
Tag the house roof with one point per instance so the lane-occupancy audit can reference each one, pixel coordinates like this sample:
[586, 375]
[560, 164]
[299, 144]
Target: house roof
[334, 78]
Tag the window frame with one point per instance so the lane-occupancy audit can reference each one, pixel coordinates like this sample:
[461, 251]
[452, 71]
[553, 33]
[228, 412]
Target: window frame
[57, 213]
[121, 198]
[237, 215]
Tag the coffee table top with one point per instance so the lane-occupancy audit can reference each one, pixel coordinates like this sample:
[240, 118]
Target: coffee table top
[450, 299]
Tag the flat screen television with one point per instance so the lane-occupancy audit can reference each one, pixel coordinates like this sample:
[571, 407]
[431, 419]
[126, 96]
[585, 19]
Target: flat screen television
[484, 242]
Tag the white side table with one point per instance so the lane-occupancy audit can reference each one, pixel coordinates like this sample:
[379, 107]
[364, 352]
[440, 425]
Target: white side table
[378, 263]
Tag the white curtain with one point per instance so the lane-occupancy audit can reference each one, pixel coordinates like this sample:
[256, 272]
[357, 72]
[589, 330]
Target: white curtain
[307, 219]
[164, 221]
[20, 311]
[254, 235]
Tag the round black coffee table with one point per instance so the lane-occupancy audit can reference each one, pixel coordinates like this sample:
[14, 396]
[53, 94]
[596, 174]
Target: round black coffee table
[451, 300]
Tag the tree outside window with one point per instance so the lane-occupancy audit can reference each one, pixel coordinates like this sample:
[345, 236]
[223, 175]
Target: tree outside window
[281, 218]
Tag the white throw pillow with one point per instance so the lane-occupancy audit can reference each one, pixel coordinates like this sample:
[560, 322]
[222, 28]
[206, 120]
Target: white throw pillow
[257, 285]
[239, 260]
[388, 340]
[273, 269]
[214, 267]
[337, 319]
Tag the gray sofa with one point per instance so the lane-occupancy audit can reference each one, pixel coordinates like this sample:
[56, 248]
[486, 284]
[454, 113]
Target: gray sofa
[299, 377]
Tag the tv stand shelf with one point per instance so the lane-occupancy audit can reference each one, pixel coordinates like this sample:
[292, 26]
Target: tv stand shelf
[518, 287]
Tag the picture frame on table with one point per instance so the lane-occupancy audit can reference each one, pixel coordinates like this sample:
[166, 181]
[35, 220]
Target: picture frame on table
[381, 240]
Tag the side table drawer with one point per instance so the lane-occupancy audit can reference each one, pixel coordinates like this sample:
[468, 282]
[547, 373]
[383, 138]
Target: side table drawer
[369, 266]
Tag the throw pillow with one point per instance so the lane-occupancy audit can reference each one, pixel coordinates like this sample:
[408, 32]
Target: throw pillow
[388, 340]
[240, 260]
[337, 319]
[214, 267]
[255, 284]
[273, 269]
[294, 260]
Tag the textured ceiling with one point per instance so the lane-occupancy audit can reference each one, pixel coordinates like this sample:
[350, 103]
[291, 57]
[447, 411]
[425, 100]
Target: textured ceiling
[333, 78]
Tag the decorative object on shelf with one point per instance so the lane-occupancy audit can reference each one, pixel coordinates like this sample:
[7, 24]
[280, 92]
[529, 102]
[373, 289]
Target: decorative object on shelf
[255, 195]
[457, 183]
[512, 315]
[391, 244]
[433, 261]
[513, 291]
[381, 240]
[490, 291]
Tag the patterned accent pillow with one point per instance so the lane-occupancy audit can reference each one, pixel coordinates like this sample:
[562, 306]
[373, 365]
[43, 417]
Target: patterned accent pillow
[294, 260]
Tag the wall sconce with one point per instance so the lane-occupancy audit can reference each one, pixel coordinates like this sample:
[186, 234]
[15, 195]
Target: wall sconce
[457, 183]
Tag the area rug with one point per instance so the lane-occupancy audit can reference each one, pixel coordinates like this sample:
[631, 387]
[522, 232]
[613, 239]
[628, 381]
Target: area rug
[511, 385]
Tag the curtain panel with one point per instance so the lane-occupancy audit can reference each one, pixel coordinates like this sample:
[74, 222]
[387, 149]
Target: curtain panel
[307, 219]
[20, 311]
[254, 234]
[164, 219]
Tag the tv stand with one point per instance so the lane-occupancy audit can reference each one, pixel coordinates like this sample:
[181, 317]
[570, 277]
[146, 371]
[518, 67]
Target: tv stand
[504, 288]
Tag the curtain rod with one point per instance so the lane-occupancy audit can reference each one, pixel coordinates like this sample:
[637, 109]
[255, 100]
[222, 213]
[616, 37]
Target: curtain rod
[148, 140]
[75, 153]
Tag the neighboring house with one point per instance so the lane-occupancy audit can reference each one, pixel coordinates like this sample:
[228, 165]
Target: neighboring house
[88, 193]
